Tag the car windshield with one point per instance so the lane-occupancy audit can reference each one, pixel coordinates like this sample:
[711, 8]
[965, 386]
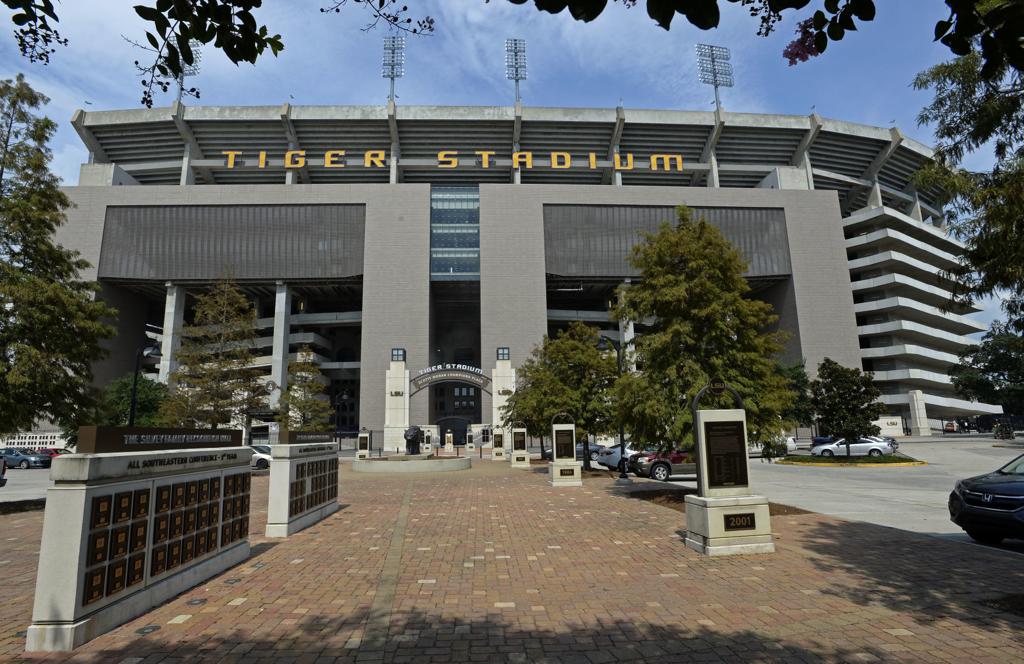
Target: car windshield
[1015, 467]
[26, 452]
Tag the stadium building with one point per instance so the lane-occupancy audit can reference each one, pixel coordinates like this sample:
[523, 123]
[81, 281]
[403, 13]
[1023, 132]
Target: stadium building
[422, 252]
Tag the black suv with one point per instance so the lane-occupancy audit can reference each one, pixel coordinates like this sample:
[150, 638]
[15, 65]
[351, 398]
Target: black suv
[991, 507]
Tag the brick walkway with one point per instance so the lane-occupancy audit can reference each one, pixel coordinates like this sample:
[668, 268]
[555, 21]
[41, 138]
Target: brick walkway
[492, 565]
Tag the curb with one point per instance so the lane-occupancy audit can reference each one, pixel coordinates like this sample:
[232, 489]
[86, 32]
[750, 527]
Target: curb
[899, 464]
[18, 506]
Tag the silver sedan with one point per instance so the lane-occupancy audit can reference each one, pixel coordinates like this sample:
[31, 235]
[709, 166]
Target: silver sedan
[863, 447]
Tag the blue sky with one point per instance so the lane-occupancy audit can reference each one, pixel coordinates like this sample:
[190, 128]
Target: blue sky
[623, 55]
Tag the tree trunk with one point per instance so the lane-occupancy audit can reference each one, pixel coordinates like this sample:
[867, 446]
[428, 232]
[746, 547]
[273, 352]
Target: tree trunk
[586, 453]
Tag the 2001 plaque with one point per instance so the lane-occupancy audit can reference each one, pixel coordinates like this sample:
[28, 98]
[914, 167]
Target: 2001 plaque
[740, 521]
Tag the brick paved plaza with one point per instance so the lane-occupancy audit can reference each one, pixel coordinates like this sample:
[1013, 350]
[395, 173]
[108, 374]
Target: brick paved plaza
[493, 565]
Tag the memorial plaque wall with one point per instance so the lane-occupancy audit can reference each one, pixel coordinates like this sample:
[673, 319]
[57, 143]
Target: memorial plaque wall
[315, 485]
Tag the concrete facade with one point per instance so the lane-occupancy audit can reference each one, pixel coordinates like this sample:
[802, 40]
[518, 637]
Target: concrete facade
[862, 251]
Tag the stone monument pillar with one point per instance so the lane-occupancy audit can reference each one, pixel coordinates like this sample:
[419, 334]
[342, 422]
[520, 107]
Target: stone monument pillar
[470, 447]
[498, 444]
[564, 469]
[136, 517]
[503, 383]
[303, 481]
[364, 445]
[725, 518]
[918, 414]
[396, 402]
[520, 455]
[449, 441]
[428, 440]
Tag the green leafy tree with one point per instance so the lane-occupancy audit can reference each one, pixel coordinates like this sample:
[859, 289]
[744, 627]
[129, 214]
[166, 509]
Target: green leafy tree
[117, 398]
[567, 374]
[993, 371]
[972, 110]
[802, 409]
[703, 325]
[846, 401]
[304, 405]
[51, 326]
[231, 27]
[215, 383]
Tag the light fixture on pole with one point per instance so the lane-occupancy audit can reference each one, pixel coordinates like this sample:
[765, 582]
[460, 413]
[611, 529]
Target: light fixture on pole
[190, 70]
[515, 62]
[149, 349]
[393, 64]
[714, 68]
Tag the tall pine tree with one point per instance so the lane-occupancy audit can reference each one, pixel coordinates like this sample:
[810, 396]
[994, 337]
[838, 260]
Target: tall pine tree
[216, 383]
[51, 325]
[304, 405]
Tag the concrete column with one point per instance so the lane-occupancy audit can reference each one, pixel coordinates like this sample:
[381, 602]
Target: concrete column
[396, 405]
[282, 329]
[626, 336]
[713, 172]
[291, 176]
[393, 164]
[915, 209]
[875, 197]
[918, 414]
[188, 176]
[806, 164]
[174, 320]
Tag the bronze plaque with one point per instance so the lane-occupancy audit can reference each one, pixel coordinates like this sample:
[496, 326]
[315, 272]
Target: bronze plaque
[93, 440]
[229, 509]
[158, 561]
[499, 441]
[225, 534]
[93, 590]
[163, 498]
[518, 440]
[123, 507]
[119, 542]
[565, 444]
[245, 505]
[300, 471]
[211, 539]
[98, 545]
[138, 536]
[116, 576]
[136, 569]
[204, 491]
[140, 504]
[214, 488]
[236, 529]
[565, 472]
[101, 506]
[203, 517]
[245, 527]
[188, 550]
[229, 485]
[200, 543]
[177, 525]
[192, 493]
[161, 528]
[740, 521]
[178, 495]
[190, 522]
[173, 554]
[726, 448]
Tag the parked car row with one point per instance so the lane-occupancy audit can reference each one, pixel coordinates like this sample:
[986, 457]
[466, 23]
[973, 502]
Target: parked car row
[20, 457]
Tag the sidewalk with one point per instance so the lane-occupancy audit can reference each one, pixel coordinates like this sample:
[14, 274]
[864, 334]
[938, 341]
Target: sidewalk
[493, 565]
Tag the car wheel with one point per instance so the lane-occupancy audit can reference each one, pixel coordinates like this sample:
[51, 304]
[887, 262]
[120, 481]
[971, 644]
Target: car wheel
[593, 456]
[261, 464]
[23, 465]
[827, 453]
[985, 536]
[875, 453]
[660, 472]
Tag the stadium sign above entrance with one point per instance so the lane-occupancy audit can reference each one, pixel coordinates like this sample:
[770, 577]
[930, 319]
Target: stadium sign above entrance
[484, 159]
[450, 373]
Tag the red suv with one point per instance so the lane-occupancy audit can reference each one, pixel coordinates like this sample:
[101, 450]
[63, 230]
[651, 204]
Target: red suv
[662, 465]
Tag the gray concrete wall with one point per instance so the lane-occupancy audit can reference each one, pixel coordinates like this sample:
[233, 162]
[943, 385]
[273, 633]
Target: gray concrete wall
[396, 284]
[816, 303]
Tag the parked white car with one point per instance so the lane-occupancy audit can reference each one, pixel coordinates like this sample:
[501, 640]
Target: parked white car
[863, 447]
[754, 449]
[610, 456]
[260, 457]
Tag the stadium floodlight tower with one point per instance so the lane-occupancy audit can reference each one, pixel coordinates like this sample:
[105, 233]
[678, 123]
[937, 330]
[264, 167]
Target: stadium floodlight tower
[515, 62]
[714, 68]
[190, 70]
[393, 65]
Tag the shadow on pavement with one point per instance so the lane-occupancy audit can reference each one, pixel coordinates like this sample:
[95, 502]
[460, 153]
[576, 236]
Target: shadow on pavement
[413, 636]
[899, 571]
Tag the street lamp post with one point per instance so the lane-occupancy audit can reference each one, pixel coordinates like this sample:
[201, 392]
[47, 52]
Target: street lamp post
[605, 342]
[150, 349]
